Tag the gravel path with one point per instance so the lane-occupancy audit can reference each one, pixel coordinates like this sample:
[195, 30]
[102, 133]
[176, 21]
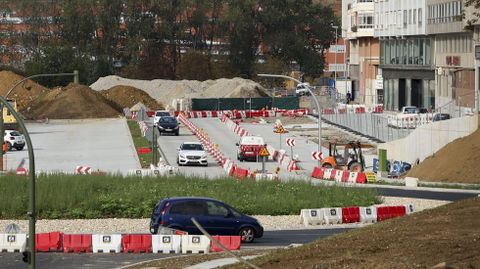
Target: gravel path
[141, 225]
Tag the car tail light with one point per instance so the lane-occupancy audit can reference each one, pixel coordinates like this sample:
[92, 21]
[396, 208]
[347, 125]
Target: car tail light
[164, 210]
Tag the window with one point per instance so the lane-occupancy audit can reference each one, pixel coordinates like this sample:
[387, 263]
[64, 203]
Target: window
[419, 16]
[216, 209]
[405, 18]
[188, 208]
[414, 16]
[409, 16]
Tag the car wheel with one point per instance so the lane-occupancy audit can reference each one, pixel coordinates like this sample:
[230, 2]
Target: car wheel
[205, 165]
[9, 146]
[19, 148]
[177, 133]
[247, 234]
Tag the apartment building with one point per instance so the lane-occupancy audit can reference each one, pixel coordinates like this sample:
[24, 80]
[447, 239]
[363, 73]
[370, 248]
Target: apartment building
[358, 25]
[454, 47]
[476, 40]
[406, 53]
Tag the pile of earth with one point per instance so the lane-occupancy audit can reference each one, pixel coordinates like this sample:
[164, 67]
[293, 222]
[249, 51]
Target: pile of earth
[456, 162]
[24, 93]
[72, 102]
[448, 234]
[166, 91]
[127, 96]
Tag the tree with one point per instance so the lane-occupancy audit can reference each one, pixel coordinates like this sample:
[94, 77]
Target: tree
[476, 6]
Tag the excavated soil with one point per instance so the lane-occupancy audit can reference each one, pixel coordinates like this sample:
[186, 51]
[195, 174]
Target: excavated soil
[448, 234]
[127, 96]
[72, 102]
[456, 162]
[24, 93]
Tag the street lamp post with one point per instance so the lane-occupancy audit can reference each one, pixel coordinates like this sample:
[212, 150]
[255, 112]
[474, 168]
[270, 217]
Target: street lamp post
[336, 52]
[314, 99]
[31, 159]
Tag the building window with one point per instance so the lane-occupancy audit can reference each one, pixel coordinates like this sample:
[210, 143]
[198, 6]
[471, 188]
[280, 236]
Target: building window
[414, 16]
[419, 16]
[405, 18]
[365, 21]
[409, 16]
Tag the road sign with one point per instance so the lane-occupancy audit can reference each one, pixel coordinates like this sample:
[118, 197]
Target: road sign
[264, 152]
[279, 130]
[290, 142]
[317, 155]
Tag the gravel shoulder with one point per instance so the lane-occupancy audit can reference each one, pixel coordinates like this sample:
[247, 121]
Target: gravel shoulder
[289, 222]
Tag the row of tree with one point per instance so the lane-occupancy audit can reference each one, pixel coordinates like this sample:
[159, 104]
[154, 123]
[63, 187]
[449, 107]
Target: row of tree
[193, 39]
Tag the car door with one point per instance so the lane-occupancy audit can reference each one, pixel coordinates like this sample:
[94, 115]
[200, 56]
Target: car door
[182, 212]
[220, 221]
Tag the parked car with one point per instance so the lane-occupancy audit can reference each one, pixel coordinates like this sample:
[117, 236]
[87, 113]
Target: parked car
[168, 124]
[192, 153]
[159, 114]
[14, 139]
[302, 89]
[249, 147]
[410, 110]
[216, 217]
[441, 116]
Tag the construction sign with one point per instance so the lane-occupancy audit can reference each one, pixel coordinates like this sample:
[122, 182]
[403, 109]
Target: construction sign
[279, 130]
[264, 152]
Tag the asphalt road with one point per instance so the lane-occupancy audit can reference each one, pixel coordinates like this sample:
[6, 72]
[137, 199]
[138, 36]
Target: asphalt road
[104, 261]
[61, 145]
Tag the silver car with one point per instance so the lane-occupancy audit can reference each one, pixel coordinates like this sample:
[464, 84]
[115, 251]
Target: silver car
[192, 153]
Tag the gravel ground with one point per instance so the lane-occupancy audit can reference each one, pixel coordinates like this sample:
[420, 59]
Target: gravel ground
[141, 225]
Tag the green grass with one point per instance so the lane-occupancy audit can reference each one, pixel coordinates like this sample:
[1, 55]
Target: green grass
[95, 196]
[140, 141]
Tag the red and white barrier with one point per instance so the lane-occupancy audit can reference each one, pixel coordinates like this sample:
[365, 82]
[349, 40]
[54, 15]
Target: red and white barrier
[339, 175]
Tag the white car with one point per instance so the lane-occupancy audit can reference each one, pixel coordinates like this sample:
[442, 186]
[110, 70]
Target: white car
[192, 153]
[159, 114]
[14, 139]
[302, 89]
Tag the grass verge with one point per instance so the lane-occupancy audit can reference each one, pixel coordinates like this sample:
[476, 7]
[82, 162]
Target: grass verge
[140, 141]
[95, 196]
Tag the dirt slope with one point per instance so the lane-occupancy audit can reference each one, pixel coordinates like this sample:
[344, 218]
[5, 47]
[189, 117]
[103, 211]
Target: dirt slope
[72, 102]
[456, 162]
[127, 96]
[24, 94]
[448, 234]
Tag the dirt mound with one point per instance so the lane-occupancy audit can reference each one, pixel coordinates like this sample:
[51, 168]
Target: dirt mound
[456, 162]
[445, 234]
[24, 93]
[72, 102]
[166, 91]
[127, 96]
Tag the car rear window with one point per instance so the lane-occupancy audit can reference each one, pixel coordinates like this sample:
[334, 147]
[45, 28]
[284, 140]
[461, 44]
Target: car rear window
[192, 147]
[252, 140]
[188, 208]
[162, 113]
[15, 133]
[168, 119]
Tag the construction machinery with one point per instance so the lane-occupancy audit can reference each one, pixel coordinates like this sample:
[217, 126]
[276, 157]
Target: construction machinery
[9, 121]
[345, 156]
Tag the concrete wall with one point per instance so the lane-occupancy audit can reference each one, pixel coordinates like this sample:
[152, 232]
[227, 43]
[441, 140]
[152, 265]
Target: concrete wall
[428, 139]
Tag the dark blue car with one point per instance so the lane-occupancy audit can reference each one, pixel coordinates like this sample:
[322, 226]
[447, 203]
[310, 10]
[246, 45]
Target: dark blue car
[216, 217]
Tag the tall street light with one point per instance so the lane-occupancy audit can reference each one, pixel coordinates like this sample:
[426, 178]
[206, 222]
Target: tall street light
[336, 52]
[31, 160]
[314, 99]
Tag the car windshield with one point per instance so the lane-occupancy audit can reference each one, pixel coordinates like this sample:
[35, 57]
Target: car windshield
[410, 110]
[192, 147]
[162, 113]
[168, 120]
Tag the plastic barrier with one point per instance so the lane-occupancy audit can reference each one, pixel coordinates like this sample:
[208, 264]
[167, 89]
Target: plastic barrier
[318, 172]
[327, 172]
[350, 214]
[195, 244]
[338, 175]
[46, 242]
[166, 243]
[230, 242]
[106, 243]
[77, 243]
[312, 216]
[332, 215]
[137, 243]
[388, 212]
[368, 214]
[13, 242]
[409, 209]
